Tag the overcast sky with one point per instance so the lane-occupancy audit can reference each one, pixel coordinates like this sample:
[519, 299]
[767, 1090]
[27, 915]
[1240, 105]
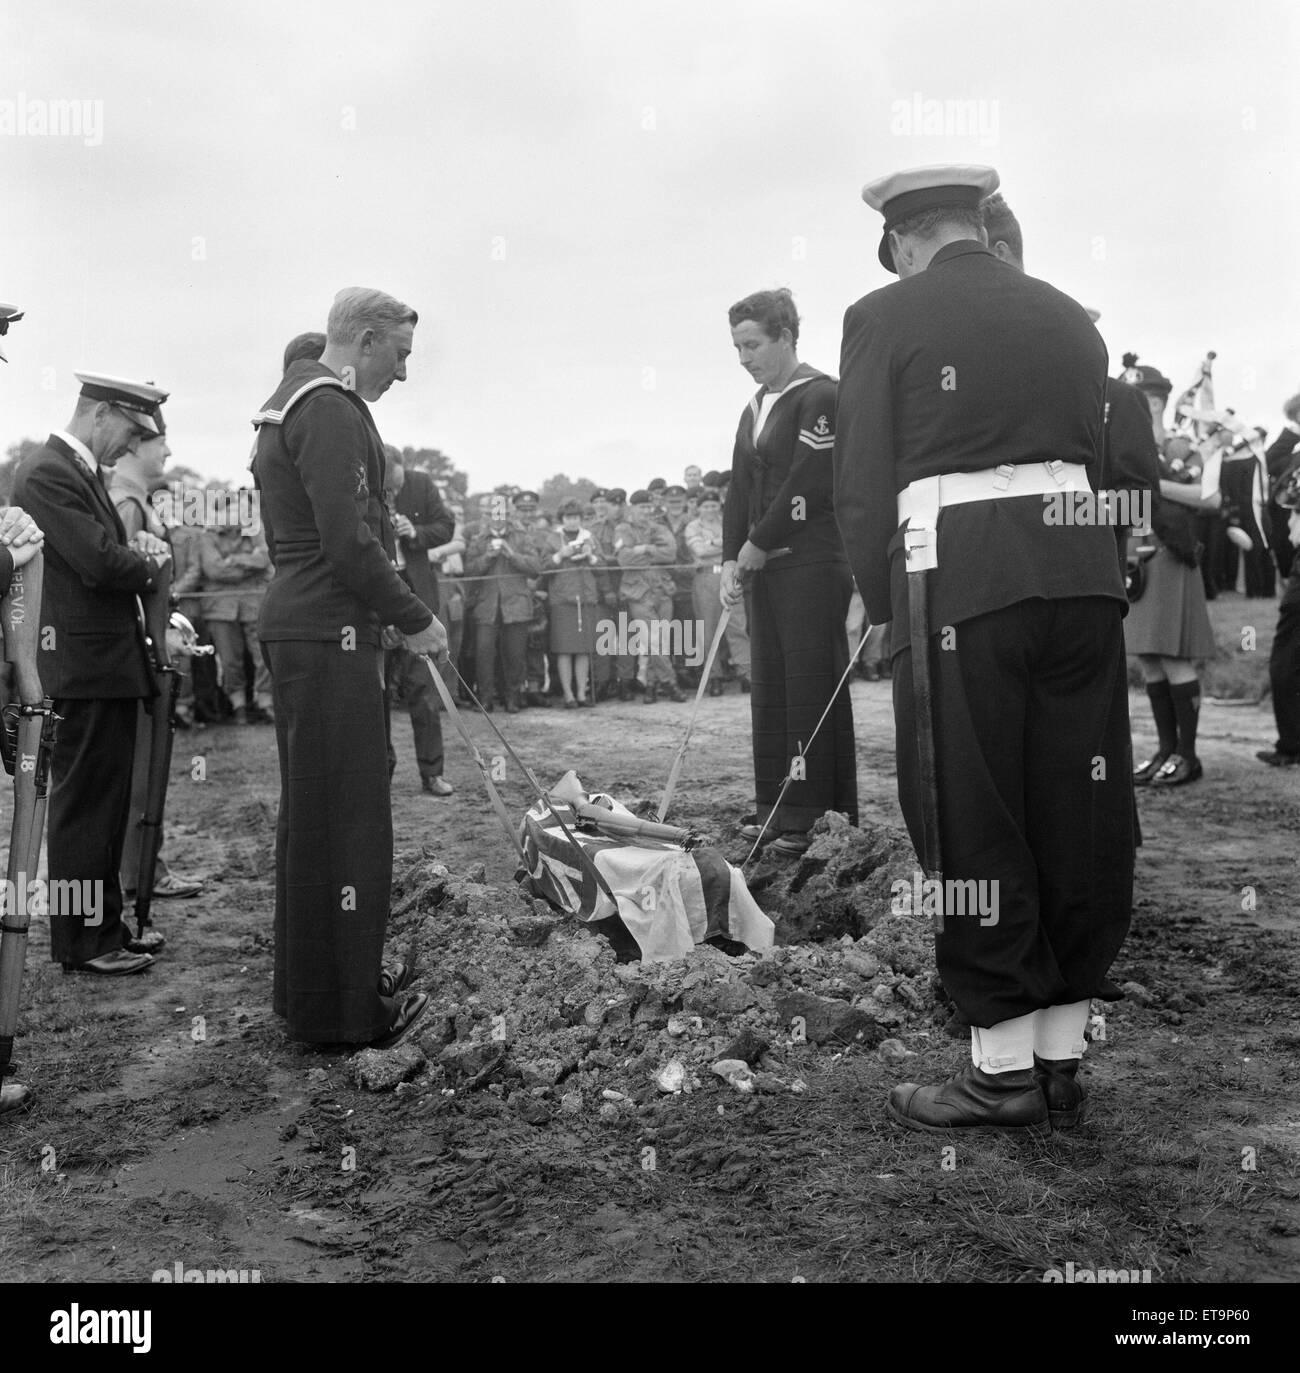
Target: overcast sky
[572, 192]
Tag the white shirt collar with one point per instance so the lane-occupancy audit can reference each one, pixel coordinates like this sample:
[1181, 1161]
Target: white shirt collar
[79, 448]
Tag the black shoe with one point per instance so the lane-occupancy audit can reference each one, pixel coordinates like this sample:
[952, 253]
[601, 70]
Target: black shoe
[674, 693]
[535, 698]
[512, 703]
[585, 702]
[744, 686]
[978, 1102]
[488, 707]
[1145, 771]
[1062, 1090]
[623, 691]
[14, 1097]
[651, 696]
[396, 977]
[408, 1013]
[792, 844]
[1177, 771]
[750, 830]
[115, 964]
[1278, 760]
[715, 687]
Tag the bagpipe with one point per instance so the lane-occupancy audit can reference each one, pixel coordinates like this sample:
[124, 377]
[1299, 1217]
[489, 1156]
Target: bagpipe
[1196, 452]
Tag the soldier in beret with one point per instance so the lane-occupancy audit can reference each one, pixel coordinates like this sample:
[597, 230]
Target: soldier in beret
[643, 545]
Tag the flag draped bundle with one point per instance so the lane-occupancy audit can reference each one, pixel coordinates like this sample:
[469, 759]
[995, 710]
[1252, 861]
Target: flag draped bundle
[670, 899]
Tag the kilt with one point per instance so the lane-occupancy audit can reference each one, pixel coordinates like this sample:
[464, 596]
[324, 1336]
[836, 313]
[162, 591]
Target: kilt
[1034, 765]
[1170, 618]
[798, 652]
[573, 627]
[333, 841]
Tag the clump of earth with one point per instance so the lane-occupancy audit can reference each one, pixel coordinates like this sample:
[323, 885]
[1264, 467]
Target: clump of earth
[552, 1015]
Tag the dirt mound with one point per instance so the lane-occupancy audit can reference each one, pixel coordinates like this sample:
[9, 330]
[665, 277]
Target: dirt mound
[842, 885]
[539, 1010]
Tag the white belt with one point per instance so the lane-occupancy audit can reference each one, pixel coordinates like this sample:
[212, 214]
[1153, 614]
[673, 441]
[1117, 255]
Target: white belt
[919, 504]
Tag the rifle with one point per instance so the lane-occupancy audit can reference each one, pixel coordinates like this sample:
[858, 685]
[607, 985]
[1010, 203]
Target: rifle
[155, 611]
[26, 742]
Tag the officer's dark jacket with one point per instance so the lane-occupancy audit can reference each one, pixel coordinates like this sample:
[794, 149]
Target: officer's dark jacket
[780, 495]
[420, 502]
[320, 470]
[91, 646]
[968, 365]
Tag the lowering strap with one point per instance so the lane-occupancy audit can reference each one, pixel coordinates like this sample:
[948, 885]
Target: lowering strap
[674, 772]
[803, 752]
[583, 857]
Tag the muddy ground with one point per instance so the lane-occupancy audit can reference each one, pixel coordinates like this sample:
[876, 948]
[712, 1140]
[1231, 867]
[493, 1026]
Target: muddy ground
[522, 1137]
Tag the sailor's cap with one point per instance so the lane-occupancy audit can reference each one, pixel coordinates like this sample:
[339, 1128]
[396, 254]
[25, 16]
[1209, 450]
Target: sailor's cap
[900, 195]
[140, 399]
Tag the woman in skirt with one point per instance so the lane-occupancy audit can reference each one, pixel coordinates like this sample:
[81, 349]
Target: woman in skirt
[1168, 626]
[572, 597]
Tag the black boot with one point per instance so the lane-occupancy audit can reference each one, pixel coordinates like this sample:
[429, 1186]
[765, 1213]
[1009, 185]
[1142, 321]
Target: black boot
[982, 1103]
[1062, 1090]
[512, 703]
[1162, 708]
[651, 695]
[1187, 712]
[715, 687]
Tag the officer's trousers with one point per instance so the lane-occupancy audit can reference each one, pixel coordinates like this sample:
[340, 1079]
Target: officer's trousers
[1035, 801]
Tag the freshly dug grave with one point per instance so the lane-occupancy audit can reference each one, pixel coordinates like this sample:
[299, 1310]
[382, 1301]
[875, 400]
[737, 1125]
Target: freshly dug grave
[539, 1009]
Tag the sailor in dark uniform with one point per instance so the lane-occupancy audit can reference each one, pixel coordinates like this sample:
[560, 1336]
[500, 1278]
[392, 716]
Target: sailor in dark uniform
[778, 530]
[320, 469]
[970, 403]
